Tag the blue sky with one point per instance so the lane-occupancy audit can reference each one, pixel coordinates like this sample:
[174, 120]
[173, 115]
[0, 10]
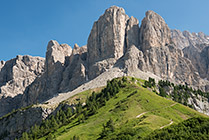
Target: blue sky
[26, 26]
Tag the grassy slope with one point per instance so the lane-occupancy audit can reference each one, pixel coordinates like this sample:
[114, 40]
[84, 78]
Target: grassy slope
[123, 110]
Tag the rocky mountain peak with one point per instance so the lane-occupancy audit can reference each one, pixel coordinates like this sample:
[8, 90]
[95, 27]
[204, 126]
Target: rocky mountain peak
[106, 39]
[20, 67]
[56, 54]
[79, 50]
[76, 46]
[154, 32]
[114, 9]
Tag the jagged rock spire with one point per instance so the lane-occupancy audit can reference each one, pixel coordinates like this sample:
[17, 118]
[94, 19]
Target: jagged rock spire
[154, 32]
[56, 53]
[106, 39]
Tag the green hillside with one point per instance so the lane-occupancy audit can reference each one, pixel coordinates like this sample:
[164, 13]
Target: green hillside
[133, 112]
[196, 128]
[124, 109]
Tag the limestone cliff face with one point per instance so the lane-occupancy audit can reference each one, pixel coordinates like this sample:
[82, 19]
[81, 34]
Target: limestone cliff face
[161, 56]
[154, 32]
[47, 85]
[55, 55]
[64, 71]
[132, 33]
[186, 39]
[106, 39]
[18, 73]
[75, 69]
[110, 36]
[200, 59]
[115, 41]
[15, 75]
[194, 47]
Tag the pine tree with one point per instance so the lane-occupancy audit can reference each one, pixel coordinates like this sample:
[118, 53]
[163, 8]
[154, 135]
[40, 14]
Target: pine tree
[162, 92]
[50, 137]
[79, 108]
[35, 131]
[53, 122]
[57, 115]
[107, 96]
[69, 112]
[64, 118]
[25, 136]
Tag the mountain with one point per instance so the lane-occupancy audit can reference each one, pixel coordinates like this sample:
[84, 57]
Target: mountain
[117, 46]
[111, 44]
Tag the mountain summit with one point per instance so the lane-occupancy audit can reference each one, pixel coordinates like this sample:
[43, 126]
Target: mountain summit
[154, 32]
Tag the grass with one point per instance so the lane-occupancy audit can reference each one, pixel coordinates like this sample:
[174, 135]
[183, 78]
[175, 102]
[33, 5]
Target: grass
[123, 109]
[81, 97]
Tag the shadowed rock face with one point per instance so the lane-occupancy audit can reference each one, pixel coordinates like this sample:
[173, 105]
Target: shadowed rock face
[200, 59]
[194, 47]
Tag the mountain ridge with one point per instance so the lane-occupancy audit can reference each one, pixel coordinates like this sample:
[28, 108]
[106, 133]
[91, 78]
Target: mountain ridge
[116, 41]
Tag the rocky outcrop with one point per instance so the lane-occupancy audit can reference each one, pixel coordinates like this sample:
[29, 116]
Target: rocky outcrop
[75, 69]
[109, 39]
[200, 59]
[64, 71]
[186, 39]
[18, 73]
[194, 46]
[106, 39]
[106, 42]
[199, 103]
[160, 55]
[55, 55]
[168, 63]
[154, 32]
[15, 75]
[19, 121]
[132, 33]
[48, 84]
